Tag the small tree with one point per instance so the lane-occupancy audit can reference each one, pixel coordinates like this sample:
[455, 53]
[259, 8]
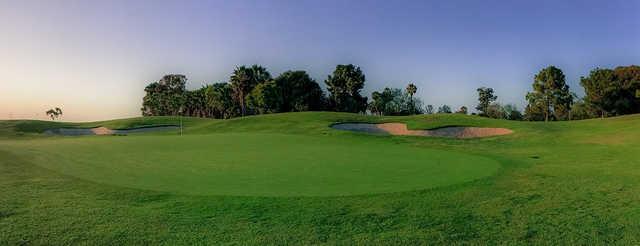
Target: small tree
[392, 101]
[496, 111]
[462, 110]
[444, 109]
[344, 86]
[428, 109]
[512, 112]
[485, 98]
[54, 113]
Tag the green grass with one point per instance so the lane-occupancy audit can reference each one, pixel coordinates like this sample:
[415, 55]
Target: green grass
[251, 164]
[304, 183]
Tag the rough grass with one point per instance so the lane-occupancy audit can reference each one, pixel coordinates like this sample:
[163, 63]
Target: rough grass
[560, 183]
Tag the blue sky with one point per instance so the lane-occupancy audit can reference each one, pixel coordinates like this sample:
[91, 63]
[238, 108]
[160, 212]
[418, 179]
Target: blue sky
[93, 58]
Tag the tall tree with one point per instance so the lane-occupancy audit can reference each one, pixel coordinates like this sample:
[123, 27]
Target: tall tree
[485, 98]
[412, 89]
[164, 97]
[244, 79]
[299, 92]
[344, 86]
[550, 93]
[242, 84]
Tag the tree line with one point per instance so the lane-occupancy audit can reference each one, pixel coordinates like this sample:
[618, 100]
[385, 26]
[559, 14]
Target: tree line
[608, 92]
[252, 90]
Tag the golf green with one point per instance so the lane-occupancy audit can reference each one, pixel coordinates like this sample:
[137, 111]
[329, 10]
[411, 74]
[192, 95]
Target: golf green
[255, 164]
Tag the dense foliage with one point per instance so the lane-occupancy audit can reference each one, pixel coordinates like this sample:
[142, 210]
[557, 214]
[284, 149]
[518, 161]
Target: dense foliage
[393, 101]
[444, 109]
[550, 97]
[292, 91]
[252, 90]
[244, 80]
[611, 92]
[297, 91]
[219, 98]
[429, 109]
[344, 87]
[164, 97]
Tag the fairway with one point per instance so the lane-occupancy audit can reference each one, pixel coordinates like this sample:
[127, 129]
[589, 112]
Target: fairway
[292, 179]
[255, 164]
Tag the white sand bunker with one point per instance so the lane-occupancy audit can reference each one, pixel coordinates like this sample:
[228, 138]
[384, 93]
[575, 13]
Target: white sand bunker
[401, 129]
[105, 131]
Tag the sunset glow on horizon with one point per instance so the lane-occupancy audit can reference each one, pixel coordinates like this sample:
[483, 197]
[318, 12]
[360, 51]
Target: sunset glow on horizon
[94, 58]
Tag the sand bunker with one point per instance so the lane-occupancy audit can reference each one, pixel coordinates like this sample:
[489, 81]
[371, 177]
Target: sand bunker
[105, 131]
[401, 129]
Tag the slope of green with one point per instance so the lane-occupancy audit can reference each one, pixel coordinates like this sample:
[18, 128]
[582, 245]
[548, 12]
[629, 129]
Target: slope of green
[558, 183]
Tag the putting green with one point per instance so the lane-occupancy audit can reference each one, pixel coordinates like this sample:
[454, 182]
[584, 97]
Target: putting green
[255, 164]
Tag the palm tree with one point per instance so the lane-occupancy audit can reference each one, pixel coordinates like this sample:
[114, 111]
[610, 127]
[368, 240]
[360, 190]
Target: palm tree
[244, 79]
[54, 113]
[241, 85]
[259, 74]
[411, 89]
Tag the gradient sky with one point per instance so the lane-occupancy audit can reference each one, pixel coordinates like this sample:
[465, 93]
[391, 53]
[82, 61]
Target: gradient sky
[94, 58]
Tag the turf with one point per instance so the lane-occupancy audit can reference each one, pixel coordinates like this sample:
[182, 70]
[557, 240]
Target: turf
[250, 164]
[557, 183]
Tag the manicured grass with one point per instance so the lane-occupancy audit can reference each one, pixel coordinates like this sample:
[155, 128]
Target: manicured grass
[557, 183]
[251, 164]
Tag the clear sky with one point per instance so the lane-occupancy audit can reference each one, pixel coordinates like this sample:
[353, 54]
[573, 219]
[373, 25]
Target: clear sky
[94, 58]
